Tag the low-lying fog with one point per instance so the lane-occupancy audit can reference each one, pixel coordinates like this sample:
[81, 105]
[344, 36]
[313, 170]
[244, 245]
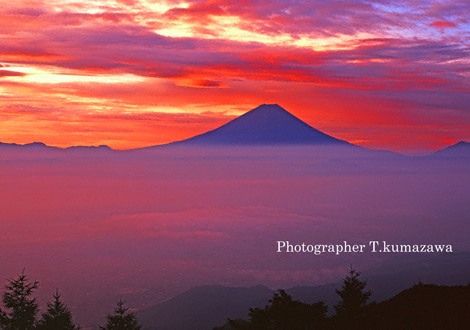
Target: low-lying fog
[144, 226]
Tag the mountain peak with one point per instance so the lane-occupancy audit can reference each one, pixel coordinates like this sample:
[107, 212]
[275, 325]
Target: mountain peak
[270, 107]
[267, 124]
[464, 144]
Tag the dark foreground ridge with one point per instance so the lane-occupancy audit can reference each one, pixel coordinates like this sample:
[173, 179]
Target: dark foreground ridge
[421, 307]
[424, 306]
[268, 124]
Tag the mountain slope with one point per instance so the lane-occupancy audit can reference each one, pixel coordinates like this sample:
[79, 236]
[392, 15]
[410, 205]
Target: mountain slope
[460, 150]
[204, 307]
[268, 124]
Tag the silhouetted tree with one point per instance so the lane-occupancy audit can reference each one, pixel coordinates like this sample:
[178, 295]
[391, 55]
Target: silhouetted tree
[353, 296]
[57, 316]
[21, 307]
[122, 319]
[283, 312]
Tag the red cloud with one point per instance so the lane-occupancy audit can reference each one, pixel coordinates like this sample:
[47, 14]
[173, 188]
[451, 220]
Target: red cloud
[206, 83]
[443, 24]
[8, 73]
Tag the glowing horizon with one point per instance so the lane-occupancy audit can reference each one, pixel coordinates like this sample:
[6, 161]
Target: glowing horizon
[129, 73]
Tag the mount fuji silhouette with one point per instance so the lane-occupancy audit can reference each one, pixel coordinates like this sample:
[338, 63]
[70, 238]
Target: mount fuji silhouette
[268, 124]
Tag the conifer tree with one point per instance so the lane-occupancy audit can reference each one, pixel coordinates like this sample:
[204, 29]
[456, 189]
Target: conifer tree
[21, 307]
[122, 319]
[57, 316]
[285, 313]
[353, 296]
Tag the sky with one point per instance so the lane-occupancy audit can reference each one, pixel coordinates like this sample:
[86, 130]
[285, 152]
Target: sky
[134, 73]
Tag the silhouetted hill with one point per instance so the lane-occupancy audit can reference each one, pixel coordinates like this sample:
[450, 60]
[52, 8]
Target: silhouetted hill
[421, 307]
[203, 307]
[34, 145]
[38, 153]
[40, 146]
[83, 148]
[268, 124]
